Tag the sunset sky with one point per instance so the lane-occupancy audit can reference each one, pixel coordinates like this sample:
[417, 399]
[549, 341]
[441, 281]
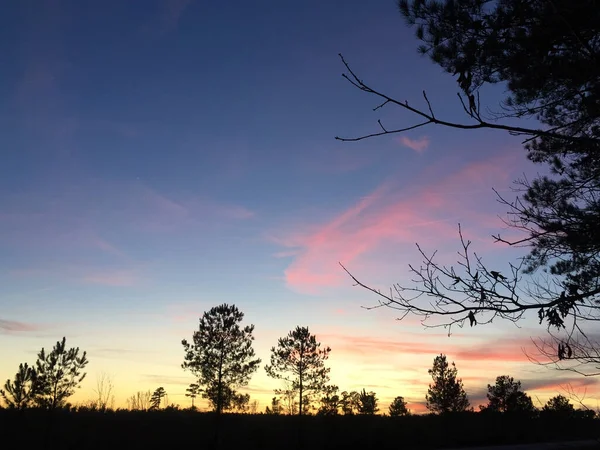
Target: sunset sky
[162, 157]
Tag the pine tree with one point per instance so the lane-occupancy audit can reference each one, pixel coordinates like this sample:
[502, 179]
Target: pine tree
[446, 394]
[58, 374]
[398, 407]
[507, 396]
[20, 393]
[300, 360]
[221, 355]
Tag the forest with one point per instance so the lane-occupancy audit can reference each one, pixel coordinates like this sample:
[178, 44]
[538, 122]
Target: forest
[309, 412]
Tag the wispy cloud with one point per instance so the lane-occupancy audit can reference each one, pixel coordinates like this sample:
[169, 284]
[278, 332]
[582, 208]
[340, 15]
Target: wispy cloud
[169, 379]
[418, 145]
[393, 214]
[13, 327]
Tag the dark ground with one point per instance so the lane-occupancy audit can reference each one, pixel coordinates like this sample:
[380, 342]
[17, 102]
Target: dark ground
[184, 429]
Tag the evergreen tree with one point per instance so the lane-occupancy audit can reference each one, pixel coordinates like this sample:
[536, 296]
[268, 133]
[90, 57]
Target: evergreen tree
[157, 396]
[221, 355]
[367, 403]
[349, 402]
[446, 394]
[299, 360]
[192, 392]
[20, 393]
[58, 374]
[330, 402]
[559, 404]
[398, 407]
[507, 396]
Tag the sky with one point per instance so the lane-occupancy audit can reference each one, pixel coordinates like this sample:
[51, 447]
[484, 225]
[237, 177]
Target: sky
[163, 157]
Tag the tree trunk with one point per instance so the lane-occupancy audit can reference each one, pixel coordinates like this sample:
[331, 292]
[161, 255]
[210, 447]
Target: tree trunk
[301, 376]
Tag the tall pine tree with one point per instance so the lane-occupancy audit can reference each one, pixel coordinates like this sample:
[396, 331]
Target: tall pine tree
[221, 355]
[446, 394]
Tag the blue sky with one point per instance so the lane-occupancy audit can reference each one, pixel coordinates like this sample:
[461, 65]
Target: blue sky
[163, 157]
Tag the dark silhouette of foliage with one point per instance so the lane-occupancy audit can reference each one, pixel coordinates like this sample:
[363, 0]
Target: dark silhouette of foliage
[547, 54]
[172, 428]
[221, 355]
[398, 407]
[192, 392]
[276, 408]
[559, 404]
[349, 402]
[20, 393]
[157, 396]
[299, 360]
[58, 374]
[367, 403]
[447, 393]
[330, 402]
[506, 396]
[240, 403]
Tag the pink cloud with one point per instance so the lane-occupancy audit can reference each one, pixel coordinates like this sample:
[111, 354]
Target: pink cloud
[392, 216]
[12, 326]
[418, 145]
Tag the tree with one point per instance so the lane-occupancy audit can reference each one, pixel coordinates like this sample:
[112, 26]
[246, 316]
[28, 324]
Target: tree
[367, 403]
[506, 396]
[446, 394]
[559, 404]
[398, 407]
[349, 402]
[241, 403]
[546, 53]
[104, 388]
[140, 401]
[276, 408]
[221, 355]
[58, 374]
[330, 402]
[20, 393]
[300, 360]
[192, 392]
[157, 396]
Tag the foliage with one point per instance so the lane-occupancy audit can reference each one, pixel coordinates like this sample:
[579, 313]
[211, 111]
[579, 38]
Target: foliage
[447, 393]
[506, 396]
[221, 355]
[192, 391]
[330, 402]
[58, 374]
[20, 393]
[157, 396]
[545, 53]
[240, 403]
[398, 407]
[299, 360]
[367, 403]
[559, 404]
[275, 408]
[186, 429]
[349, 402]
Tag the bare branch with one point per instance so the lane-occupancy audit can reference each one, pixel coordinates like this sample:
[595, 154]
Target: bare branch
[431, 119]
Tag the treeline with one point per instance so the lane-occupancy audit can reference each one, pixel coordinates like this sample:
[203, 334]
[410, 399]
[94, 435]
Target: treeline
[221, 357]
